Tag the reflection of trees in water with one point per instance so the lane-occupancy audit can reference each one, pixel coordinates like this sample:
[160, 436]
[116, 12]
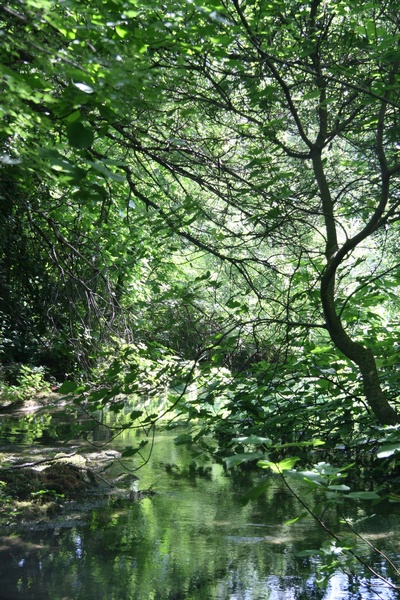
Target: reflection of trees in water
[195, 539]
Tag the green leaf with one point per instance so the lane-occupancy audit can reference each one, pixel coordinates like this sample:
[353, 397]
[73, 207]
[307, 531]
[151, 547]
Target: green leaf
[312, 443]
[339, 488]
[321, 350]
[388, 450]
[132, 450]
[114, 369]
[364, 495]
[73, 116]
[151, 418]
[79, 136]
[295, 519]
[116, 406]
[98, 395]
[129, 451]
[121, 32]
[284, 465]
[131, 376]
[84, 87]
[238, 459]
[233, 304]
[253, 439]
[108, 113]
[185, 438]
[135, 414]
[312, 94]
[68, 387]
[64, 168]
[106, 172]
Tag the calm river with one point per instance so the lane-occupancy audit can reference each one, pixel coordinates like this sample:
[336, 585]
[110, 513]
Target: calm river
[193, 540]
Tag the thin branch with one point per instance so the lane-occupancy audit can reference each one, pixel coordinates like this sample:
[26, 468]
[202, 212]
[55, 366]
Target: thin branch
[336, 537]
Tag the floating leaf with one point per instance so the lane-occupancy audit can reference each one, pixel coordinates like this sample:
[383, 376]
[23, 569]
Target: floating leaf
[308, 553]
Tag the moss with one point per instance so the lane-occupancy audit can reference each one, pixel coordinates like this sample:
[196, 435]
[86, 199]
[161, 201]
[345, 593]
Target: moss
[58, 479]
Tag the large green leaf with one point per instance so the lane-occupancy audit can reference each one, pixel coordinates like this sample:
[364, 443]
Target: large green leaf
[238, 459]
[364, 495]
[278, 467]
[79, 135]
[388, 450]
[68, 387]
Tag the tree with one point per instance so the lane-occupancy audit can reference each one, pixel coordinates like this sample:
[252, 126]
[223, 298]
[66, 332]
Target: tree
[264, 135]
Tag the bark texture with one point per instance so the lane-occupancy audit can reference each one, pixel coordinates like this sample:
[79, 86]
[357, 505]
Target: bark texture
[362, 356]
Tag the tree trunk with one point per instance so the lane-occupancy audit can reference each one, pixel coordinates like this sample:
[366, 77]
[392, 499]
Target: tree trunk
[363, 357]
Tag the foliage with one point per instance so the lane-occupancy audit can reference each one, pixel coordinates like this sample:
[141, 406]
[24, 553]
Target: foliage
[29, 381]
[161, 157]
[340, 552]
[200, 207]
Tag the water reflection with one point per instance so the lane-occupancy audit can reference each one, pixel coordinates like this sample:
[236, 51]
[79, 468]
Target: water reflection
[194, 540]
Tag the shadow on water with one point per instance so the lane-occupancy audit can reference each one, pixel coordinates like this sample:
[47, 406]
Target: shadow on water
[193, 540]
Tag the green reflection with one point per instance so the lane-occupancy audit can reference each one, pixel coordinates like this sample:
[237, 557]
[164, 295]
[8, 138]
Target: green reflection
[194, 540]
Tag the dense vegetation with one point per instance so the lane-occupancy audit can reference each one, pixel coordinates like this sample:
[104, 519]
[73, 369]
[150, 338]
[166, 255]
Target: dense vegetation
[200, 203]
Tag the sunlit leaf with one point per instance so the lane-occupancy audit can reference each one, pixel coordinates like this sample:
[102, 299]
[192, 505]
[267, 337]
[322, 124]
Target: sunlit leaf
[303, 515]
[388, 450]
[321, 350]
[84, 87]
[284, 465]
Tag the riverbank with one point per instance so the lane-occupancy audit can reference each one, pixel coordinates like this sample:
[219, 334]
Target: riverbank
[38, 480]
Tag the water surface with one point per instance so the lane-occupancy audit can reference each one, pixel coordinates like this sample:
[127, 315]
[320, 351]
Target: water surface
[194, 540]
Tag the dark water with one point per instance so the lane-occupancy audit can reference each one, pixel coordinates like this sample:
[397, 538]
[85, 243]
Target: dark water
[193, 540]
